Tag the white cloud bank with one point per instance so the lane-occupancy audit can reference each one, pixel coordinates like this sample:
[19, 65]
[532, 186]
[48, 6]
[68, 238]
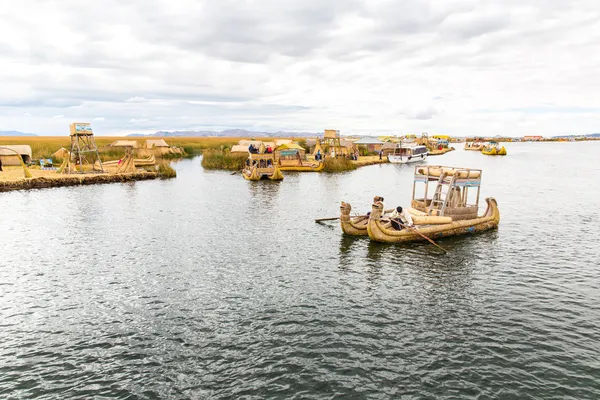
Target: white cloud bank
[461, 67]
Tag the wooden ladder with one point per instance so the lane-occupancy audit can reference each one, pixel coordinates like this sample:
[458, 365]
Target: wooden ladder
[440, 199]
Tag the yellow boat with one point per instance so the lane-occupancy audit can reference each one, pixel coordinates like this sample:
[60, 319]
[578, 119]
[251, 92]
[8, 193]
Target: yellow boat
[305, 166]
[291, 157]
[261, 166]
[493, 149]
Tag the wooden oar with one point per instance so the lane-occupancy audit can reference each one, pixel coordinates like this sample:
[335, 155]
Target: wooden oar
[326, 219]
[356, 216]
[414, 230]
[334, 218]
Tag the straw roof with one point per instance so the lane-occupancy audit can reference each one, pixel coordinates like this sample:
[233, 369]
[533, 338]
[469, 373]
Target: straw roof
[290, 146]
[22, 149]
[368, 140]
[247, 143]
[126, 143]
[61, 153]
[239, 148]
[150, 143]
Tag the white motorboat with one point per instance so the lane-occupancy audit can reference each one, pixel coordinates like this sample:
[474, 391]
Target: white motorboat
[408, 153]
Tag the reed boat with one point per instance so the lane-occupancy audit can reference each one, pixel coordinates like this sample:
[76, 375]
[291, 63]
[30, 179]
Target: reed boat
[261, 166]
[451, 210]
[138, 162]
[380, 232]
[304, 166]
[357, 226]
[493, 149]
[292, 157]
[474, 146]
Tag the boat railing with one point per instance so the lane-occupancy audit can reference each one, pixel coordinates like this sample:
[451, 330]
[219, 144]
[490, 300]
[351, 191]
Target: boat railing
[450, 195]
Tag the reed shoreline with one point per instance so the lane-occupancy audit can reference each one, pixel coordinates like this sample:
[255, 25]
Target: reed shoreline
[45, 181]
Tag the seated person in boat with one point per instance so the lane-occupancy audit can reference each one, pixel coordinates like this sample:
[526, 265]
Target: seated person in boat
[400, 217]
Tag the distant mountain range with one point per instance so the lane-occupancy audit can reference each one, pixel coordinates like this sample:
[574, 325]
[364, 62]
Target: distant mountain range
[15, 133]
[230, 133]
[591, 135]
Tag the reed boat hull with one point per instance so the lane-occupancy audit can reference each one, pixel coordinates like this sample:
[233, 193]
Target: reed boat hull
[385, 234]
[494, 151]
[253, 174]
[304, 168]
[357, 226]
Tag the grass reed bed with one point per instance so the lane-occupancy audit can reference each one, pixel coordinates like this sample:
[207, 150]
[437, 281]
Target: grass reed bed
[165, 171]
[338, 165]
[223, 159]
[45, 146]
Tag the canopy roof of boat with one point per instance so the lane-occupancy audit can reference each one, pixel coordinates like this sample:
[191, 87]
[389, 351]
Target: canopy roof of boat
[290, 146]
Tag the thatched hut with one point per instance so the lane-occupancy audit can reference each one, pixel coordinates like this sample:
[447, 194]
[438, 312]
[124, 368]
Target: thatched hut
[239, 149]
[154, 143]
[257, 143]
[126, 143]
[61, 153]
[9, 154]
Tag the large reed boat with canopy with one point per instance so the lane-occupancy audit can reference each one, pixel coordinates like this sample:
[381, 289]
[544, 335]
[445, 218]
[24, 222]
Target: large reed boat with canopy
[445, 202]
[292, 157]
[473, 145]
[357, 225]
[261, 166]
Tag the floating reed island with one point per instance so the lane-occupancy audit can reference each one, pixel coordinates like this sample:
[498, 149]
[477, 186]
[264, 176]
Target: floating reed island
[329, 153]
[84, 163]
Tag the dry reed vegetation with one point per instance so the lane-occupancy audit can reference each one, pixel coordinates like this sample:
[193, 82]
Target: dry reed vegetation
[338, 165]
[223, 159]
[166, 171]
[45, 146]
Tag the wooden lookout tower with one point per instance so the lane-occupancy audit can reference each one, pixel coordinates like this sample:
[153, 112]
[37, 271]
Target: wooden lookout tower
[83, 147]
[333, 140]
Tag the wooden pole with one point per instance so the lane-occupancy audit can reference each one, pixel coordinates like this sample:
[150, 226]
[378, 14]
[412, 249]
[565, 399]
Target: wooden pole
[410, 228]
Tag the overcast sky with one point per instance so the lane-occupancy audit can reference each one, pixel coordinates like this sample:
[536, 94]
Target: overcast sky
[460, 67]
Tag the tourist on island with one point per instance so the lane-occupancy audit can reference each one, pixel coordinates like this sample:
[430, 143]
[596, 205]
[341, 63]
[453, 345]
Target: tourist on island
[318, 155]
[400, 218]
[380, 154]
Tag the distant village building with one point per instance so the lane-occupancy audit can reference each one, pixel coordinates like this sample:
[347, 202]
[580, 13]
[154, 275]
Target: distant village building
[532, 138]
[8, 154]
[370, 143]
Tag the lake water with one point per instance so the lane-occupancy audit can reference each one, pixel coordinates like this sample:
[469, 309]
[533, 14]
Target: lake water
[210, 286]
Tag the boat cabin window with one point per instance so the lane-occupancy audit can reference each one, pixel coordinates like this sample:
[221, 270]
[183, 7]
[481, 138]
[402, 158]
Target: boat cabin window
[289, 155]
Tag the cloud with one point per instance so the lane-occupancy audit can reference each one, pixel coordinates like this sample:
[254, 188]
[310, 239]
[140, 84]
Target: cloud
[304, 65]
